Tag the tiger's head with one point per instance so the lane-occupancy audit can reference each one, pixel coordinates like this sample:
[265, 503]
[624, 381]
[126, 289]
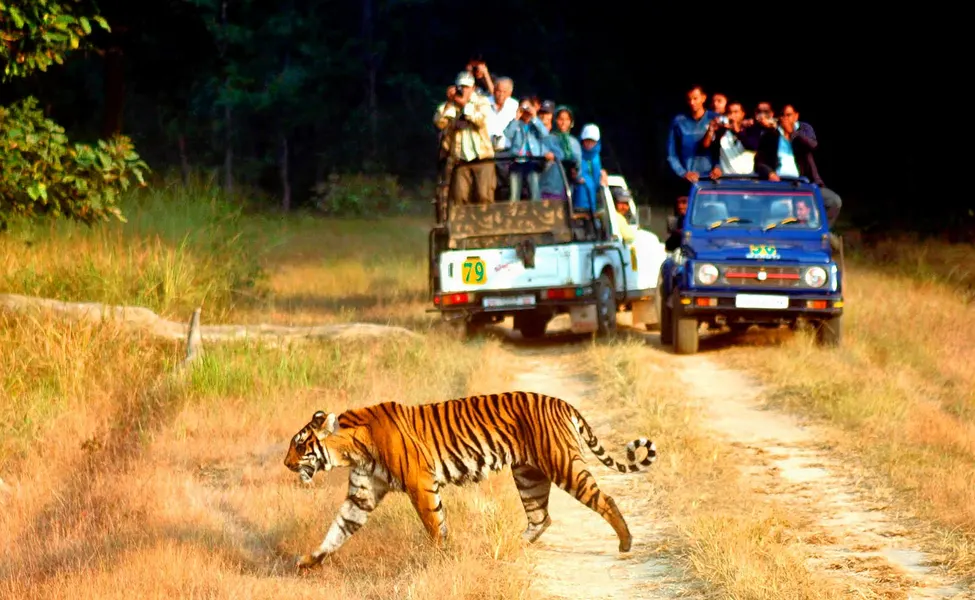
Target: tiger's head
[315, 447]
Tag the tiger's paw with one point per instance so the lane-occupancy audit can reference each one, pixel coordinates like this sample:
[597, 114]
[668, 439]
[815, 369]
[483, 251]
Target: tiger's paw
[309, 560]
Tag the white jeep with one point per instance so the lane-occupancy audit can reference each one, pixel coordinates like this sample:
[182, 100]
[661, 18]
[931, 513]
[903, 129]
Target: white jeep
[535, 259]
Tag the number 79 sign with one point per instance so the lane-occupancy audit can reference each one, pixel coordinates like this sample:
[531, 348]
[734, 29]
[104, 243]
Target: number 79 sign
[473, 271]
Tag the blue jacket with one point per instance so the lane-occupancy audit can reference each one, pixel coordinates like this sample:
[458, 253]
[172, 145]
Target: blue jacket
[585, 194]
[551, 179]
[684, 149]
[526, 138]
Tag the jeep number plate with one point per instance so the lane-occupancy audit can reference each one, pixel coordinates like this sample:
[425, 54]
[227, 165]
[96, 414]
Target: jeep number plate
[761, 301]
[509, 301]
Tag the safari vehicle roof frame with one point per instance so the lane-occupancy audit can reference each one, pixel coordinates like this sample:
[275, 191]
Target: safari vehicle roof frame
[507, 156]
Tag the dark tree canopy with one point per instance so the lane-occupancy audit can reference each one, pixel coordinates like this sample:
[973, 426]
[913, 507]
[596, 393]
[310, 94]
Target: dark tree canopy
[280, 95]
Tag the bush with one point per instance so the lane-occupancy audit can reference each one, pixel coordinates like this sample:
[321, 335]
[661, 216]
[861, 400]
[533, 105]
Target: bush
[40, 174]
[359, 196]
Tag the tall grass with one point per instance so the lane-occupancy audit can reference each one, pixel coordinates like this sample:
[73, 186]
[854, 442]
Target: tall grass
[181, 248]
[121, 486]
[902, 384]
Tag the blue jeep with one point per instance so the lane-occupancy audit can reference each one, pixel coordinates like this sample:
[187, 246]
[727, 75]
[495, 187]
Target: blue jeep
[752, 252]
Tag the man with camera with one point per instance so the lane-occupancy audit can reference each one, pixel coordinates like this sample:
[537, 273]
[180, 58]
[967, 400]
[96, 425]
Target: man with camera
[773, 153]
[526, 137]
[463, 119]
[802, 138]
[729, 154]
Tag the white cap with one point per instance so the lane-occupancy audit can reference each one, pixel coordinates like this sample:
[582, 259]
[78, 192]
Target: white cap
[590, 132]
[465, 78]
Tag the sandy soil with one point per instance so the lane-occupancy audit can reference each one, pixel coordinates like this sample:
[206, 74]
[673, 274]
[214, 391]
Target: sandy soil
[577, 557]
[846, 533]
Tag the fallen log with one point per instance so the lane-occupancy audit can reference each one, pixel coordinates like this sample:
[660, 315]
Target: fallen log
[140, 318]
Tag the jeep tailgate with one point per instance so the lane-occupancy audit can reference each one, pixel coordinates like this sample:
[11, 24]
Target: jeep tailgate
[502, 269]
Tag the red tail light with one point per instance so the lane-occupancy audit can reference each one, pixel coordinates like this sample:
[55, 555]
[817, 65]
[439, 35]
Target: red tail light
[452, 299]
[562, 293]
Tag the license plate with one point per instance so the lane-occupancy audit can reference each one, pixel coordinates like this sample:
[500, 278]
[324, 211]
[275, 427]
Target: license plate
[761, 301]
[509, 301]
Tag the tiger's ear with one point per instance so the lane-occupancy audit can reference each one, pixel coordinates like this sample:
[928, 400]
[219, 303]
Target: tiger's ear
[318, 419]
[331, 423]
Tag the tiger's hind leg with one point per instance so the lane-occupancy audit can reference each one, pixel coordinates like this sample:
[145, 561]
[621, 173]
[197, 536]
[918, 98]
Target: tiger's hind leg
[533, 487]
[581, 485]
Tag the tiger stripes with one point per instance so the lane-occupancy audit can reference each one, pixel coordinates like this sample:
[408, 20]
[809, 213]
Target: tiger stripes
[419, 449]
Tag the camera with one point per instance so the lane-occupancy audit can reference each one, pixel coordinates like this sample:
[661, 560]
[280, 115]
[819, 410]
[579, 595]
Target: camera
[526, 105]
[722, 119]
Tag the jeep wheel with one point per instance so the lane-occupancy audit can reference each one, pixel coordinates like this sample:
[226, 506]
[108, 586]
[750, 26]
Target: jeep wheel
[686, 336]
[829, 331]
[531, 325]
[605, 307]
[666, 319]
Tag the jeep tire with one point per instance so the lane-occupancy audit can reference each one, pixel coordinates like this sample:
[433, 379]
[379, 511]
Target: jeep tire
[829, 332]
[531, 324]
[686, 332]
[606, 307]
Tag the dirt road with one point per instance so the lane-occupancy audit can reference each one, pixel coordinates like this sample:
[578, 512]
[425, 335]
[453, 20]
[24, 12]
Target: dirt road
[848, 536]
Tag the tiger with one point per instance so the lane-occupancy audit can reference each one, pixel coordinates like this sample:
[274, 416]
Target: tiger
[419, 449]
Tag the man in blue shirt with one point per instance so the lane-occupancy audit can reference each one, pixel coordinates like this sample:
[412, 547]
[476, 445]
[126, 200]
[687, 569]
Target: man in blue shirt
[688, 157]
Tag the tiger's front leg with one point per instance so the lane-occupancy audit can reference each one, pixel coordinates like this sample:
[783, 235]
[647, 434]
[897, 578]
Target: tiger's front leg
[365, 494]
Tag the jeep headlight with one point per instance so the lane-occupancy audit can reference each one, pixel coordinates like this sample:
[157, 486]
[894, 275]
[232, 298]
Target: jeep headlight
[815, 277]
[707, 273]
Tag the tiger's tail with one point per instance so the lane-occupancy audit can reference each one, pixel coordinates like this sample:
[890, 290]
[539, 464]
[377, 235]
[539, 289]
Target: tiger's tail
[631, 466]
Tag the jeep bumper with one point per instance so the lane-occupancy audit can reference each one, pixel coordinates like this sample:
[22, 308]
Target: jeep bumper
[454, 305]
[759, 307]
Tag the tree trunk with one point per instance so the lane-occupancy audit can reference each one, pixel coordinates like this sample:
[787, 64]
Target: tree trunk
[114, 92]
[369, 59]
[184, 159]
[285, 177]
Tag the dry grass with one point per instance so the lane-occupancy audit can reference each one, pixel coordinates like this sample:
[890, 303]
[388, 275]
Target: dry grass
[736, 543]
[120, 487]
[902, 386]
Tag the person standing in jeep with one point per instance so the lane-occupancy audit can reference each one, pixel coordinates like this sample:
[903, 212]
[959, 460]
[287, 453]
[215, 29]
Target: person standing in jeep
[803, 139]
[464, 121]
[686, 154]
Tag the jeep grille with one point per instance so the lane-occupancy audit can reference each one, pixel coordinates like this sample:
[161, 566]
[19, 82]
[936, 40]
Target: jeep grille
[749, 276]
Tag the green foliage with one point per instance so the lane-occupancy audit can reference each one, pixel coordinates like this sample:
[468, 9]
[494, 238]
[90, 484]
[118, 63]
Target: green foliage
[40, 173]
[34, 34]
[360, 196]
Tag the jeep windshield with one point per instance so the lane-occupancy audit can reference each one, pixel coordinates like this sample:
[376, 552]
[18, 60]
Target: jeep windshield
[503, 201]
[760, 209]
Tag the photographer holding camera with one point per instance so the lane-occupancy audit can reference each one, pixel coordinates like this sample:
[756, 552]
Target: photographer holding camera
[463, 121]
[773, 152]
[526, 138]
[729, 154]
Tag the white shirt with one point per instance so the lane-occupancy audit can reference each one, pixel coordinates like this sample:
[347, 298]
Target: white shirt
[499, 119]
[733, 158]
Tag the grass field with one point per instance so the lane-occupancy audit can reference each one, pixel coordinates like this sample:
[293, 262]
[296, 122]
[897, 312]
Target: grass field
[901, 389]
[125, 482]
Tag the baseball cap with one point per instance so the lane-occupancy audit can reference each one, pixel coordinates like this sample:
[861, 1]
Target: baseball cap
[547, 107]
[590, 132]
[464, 78]
[622, 195]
